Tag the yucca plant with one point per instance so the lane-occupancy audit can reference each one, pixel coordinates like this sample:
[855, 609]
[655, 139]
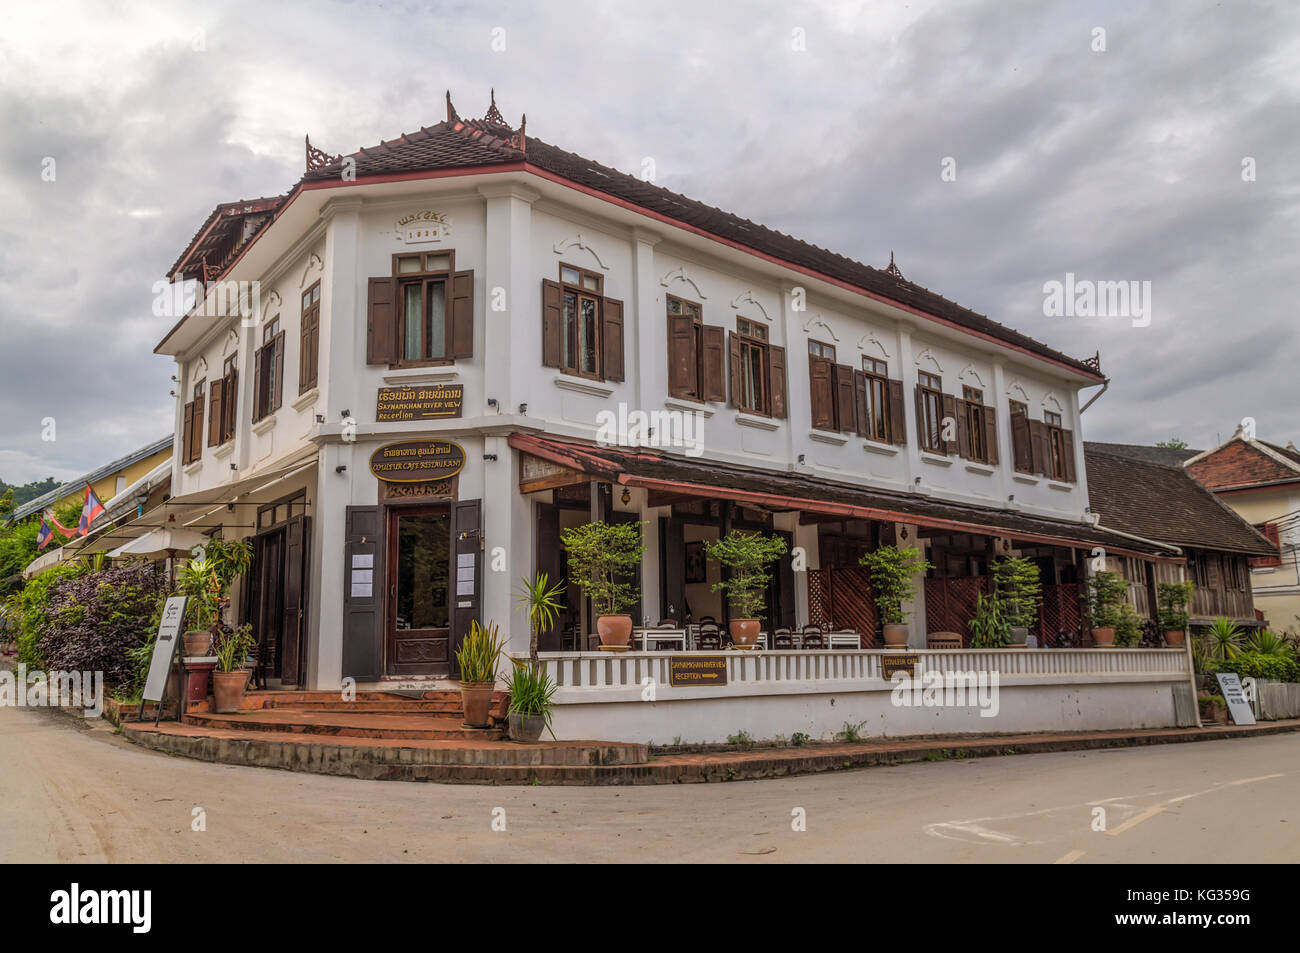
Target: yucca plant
[1268, 642]
[531, 692]
[1222, 640]
[480, 653]
[542, 602]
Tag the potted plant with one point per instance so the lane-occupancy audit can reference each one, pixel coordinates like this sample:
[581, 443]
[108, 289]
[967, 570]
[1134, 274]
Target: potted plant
[1106, 592]
[891, 570]
[747, 556]
[541, 601]
[1128, 627]
[1019, 590]
[531, 691]
[991, 627]
[231, 677]
[1172, 599]
[601, 558]
[478, 657]
[206, 580]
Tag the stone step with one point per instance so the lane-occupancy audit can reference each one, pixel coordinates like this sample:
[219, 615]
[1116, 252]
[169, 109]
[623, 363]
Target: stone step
[388, 759]
[408, 726]
[448, 706]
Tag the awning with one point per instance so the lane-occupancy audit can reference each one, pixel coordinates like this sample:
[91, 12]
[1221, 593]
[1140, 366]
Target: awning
[203, 510]
[779, 491]
[161, 543]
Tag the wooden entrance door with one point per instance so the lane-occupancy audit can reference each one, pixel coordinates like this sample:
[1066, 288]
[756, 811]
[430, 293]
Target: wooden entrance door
[419, 597]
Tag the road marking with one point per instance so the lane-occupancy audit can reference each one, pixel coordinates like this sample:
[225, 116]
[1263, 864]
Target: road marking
[1137, 819]
[971, 828]
[1264, 777]
[1071, 857]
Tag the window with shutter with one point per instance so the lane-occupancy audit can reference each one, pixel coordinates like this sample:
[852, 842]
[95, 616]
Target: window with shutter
[1021, 452]
[381, 321]
[974, 444]
[277, 390]
[1059, 459]
[685, 349]
[309, 345]
[930, 412]
[751, 372]
[581, 325]
[713, 367]
[873, 402]
[845, 411]
[897, 422]
[216, 411]
[187, 433]
[821, 382]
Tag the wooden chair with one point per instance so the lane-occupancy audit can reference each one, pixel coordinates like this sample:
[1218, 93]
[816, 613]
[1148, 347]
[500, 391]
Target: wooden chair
[810, 637]
[710, 636]
[782, 639]
[668, 624]
[943, 640]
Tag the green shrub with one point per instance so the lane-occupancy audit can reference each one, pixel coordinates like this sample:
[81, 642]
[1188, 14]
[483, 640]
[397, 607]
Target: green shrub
[891, 570]
[990, 629]
[1106, 593]
[36, 611]
[1019, 589]
[747, 555]
[1128, 626]
[1256, 665]
[1173, 598]
[602, 557]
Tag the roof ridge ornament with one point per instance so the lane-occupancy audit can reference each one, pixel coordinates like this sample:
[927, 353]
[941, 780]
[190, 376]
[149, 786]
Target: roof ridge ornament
[893, 269]
[452, 115]
[493, 114]
[318, 158]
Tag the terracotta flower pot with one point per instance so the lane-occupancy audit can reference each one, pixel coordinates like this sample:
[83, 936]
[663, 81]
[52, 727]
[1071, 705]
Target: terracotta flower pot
[1174, 636]
[197, 643]
[895, 635]
[744, 631]
[526, 728]
[476, 699]
[1104, 638]
[228, 690]
[614, 629]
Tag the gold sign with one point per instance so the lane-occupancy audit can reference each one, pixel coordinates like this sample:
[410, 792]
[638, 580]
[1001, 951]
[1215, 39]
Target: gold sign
[420, 403]
[413, 461]
[689, 670]
[891, 663]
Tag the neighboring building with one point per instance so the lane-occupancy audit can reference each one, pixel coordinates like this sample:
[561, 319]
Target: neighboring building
[108, 481]
[1261, 482]
[1146, 491]
[418, 405]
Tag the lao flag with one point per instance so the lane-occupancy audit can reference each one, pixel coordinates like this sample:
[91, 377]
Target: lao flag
[54, 521]
[44, 536]
[89, 510]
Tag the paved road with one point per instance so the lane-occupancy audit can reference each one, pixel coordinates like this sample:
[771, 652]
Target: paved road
[72, 792]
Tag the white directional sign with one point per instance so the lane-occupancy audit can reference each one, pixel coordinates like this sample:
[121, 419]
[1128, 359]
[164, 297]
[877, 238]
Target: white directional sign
[1238, 706]
[169, 634]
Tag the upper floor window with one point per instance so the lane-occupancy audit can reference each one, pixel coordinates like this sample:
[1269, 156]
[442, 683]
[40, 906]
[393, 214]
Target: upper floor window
[309, 350]
[976, 421]
[221, 408]
[1022, 452]
[268, 371]
[696, 353]
[930, 412]
[1058, 465]
[1270, 530]
[422, 314]
[752, 377]
[822, 375]
[582, 330]
[192, 423]
[873, 404]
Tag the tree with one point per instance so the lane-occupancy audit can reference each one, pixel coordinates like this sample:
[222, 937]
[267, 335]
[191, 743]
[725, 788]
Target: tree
[1173, 443]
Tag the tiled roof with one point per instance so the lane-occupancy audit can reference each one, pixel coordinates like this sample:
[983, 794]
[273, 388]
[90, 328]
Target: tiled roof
[1166, 455]
[1162, 502]
[34, 506]
[216, 238]
[1244, 463]
[458, 143]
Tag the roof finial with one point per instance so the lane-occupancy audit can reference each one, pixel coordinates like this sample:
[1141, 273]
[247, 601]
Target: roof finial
[893, 269]
[452, 116]
[494, 114]
[318, 158]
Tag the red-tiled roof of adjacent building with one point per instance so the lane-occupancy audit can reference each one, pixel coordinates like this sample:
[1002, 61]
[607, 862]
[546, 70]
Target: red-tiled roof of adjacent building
[458, 143]
[1242, 462]
[1135, 494]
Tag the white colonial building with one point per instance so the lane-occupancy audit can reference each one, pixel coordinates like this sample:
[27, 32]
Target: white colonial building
[441, 334]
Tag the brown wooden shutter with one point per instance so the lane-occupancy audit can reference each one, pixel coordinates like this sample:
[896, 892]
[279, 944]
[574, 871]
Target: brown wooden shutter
[364, 591]
[842, 376]
[990, 433]
[277, 345]
[963, 427]
[196, 429]
[612, 339]
[187, 433]
[861, 409]
[216, 412]
[381, 322]
[682, 361]
[462, 314]
[293, 629]
[949, 411]
[552, 324]
[776, 379]
[1022, 451]
[1067, 450]
[466, 571]
[309, 349]
[229, 403]
[896, 415]
[733, 367]
[714, 364]
[821, 393]
[259, 376]
[920, 417]
[1040, 447]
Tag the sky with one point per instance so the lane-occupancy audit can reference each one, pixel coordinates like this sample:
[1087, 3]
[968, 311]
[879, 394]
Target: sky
[992, 147]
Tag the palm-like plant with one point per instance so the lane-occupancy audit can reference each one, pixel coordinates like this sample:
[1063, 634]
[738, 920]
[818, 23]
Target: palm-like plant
[1268, 642]
[1222, 640]
[542, 602]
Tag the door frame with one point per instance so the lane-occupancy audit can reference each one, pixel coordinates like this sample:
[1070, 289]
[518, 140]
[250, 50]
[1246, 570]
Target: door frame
[392, 513]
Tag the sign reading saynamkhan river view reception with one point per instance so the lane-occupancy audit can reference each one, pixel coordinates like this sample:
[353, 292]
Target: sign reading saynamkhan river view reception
[419, 403]
[414, 461]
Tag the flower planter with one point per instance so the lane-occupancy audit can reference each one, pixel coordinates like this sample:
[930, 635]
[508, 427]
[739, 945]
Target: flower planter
[1174, 636]
[198, 643]
[476, 699]
[614, 629]
[197, 675]
[1104, 638]
[228, 690]
[745, 631]
[525, 727]
[895, 635]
